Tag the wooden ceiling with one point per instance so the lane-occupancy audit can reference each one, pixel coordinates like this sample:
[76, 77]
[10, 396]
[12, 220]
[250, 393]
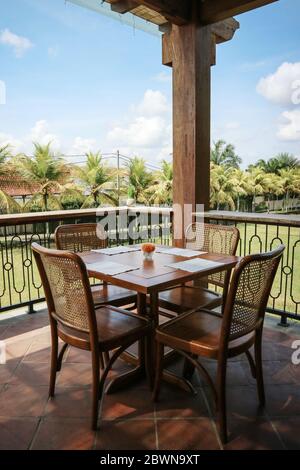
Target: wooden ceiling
[181, 12]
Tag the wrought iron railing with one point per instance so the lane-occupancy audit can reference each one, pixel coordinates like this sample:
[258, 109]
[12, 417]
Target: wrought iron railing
[263, 232]
[20, 284]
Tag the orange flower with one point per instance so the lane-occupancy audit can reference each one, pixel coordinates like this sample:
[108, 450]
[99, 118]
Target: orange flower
[148, 247]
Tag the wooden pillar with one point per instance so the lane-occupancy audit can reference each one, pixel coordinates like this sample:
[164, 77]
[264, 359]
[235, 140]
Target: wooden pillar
[191, 48]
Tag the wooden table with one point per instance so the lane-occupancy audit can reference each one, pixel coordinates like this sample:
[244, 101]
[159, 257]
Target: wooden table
[151, 278]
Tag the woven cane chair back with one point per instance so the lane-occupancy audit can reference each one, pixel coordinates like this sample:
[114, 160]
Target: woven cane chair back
[249, 292]
[218, 239]
[80, 237]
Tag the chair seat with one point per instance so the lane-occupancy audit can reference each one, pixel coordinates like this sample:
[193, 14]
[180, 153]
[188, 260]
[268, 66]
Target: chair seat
[188, 297]
[112, 295]
[114, 327]
[199, 333]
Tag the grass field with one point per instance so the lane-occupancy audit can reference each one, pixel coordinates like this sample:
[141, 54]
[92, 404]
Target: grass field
[19, 280]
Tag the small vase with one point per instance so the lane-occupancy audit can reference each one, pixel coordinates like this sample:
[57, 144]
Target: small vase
[148, 256]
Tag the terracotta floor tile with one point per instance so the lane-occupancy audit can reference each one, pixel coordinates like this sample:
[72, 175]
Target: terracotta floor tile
[276, 372]
[252, 434]
[6, 370]
[288, 429]
[38, 352]
[75, 375]
[17, 433]
[126, 435]
[31, 373]
[76, 355]
[193, 434]
[236, 374]
[133, 402]
[283, 400]
[176, 403]
[70, 402]
[23, 400]
[64, 435]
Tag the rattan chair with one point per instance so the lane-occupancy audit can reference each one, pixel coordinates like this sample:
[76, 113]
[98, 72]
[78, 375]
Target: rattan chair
[79, 238]
[211, 335]
[74, 319]
[219, 239]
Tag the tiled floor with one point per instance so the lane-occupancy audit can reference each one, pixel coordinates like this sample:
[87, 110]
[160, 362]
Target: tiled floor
[129, 419]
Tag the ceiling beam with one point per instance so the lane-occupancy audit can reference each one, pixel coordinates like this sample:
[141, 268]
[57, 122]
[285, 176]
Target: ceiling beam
[123, 6]
[218, 10]
[175, 11]
[225, 30]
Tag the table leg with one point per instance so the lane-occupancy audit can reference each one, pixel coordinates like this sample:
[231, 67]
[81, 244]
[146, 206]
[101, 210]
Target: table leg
[138, 372]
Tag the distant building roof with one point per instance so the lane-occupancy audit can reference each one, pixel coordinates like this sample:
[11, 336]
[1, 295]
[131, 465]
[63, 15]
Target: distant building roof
[15, 186]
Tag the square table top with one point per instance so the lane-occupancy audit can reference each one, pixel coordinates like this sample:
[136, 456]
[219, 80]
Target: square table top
[154, 276]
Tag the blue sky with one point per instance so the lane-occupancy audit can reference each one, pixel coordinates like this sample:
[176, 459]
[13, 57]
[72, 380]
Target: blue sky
[84, 81]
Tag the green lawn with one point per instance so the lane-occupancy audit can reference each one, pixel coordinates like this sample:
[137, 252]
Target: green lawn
[25, 283]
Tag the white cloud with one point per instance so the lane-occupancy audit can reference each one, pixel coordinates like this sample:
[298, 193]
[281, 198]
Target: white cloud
[81, 146]
[163, 77]
[142, 132]
[15, 144]
[279, 87]
[290, 129]
[148, 131]
[20, 44]
[40, 133]
[154, 103]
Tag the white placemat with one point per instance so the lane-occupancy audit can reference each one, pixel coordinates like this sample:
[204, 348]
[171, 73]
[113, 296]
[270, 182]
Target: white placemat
[117, 250]
[194, 265]
[110, 268]
[179, 252]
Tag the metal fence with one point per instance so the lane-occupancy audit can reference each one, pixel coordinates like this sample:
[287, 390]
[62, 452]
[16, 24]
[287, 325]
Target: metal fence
[20, 284]
[19, 280]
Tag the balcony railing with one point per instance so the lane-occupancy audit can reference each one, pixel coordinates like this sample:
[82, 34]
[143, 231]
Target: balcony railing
[20, 285]
[263, 232]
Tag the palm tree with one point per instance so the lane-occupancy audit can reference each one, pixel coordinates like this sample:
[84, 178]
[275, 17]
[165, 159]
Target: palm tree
[8, 205]
[4, 154]
[49, 173]
[222, 187]
[241, 185]
[281, 161]
[97, 180]
[161, 192]
[257, 185]
[290, 180]
[224, 154]
[139, 179]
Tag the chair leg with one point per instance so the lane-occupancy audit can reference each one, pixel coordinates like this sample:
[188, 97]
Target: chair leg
[221, 401]
[61, 356]
[102, 361]
[106, 357]
[148, 361]
[159, 370]
[188, 369]
[259, 368]
[95, 388]
[54, 362]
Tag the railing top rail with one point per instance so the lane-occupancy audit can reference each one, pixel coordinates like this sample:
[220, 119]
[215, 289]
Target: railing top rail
[34, 217]
[269, 219]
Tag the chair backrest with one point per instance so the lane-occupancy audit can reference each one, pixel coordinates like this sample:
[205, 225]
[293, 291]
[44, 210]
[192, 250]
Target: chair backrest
[219, 239]
[248, 294]
[66, 287]
[80, 237]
